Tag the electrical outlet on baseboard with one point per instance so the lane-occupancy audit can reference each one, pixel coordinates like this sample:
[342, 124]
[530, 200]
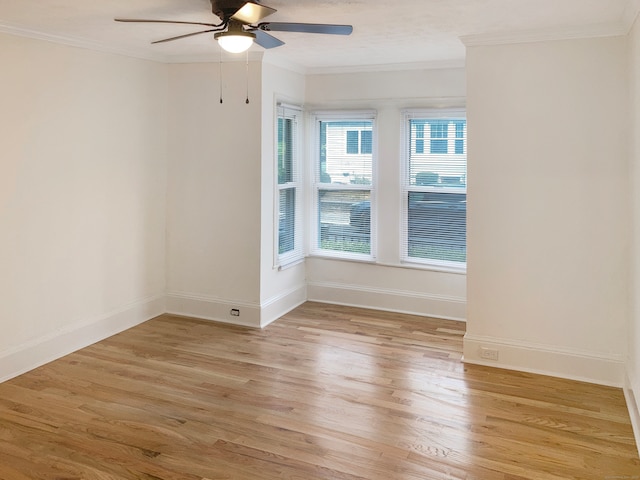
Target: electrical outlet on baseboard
[489, 353]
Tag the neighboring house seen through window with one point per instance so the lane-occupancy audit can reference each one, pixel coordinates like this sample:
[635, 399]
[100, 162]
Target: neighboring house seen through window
[435, 188]
[344, 166]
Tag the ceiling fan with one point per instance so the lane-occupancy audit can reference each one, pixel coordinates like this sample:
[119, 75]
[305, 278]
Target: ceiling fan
[239, 28]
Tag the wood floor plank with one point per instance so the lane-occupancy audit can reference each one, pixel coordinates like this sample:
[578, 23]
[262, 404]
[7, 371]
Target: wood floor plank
[326, 392]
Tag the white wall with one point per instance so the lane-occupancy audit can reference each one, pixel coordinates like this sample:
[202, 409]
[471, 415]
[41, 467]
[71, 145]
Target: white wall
[280, 290]
[548, 216]
[214, 195]
[82, 198]
[386, 284]
[633, 364]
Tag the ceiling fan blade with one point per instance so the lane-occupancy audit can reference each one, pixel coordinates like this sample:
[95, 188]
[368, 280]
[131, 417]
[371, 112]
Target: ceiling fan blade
[252, 12]
[265, 40]
[135, 20]
[185, 36]
[306, 28]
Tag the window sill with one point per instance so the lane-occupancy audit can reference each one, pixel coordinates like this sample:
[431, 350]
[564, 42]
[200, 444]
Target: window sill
[406, 265]
[289, 264]
[459, 270]
[339, 258]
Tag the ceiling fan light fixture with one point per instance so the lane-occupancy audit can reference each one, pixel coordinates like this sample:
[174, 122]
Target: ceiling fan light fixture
[235, 41]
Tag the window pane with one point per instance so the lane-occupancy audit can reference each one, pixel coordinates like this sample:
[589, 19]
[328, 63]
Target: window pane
[337, 164]
[287, 220]
[285, 150]
[439, 167]
[439, 128]
[439, 146]
[352, 142]
[437, 226]
[366, 141]
[345, 220]
[418, 133]
[459, 137]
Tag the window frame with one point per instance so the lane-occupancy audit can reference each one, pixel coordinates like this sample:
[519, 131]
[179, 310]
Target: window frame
[407, 188]
[315, 118]
[296, 184]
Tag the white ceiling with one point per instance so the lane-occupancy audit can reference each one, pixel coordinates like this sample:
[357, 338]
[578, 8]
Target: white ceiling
[385, 32]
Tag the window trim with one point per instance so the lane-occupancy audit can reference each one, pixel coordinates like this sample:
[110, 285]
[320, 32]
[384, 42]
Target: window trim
[315, 117]
[406, 187]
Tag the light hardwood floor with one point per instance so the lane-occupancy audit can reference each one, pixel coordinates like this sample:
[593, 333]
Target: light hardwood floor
[326, 392]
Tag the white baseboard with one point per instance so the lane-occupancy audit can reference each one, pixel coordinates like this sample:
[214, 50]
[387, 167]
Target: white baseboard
[277, 306]
[632, 396]
[547, 360]
[415, 303]
[42, 350]
[219, 310]
[213, 308]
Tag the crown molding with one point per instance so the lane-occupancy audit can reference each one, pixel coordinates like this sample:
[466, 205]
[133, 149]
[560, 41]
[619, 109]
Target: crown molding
[80, 43]
[390, 67]
[543, 35]
[141, 54]
[630, 14]
[214, 57]
[281, 62]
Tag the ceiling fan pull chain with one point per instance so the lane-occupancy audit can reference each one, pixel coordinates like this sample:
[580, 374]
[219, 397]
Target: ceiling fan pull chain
[220, 62]
[247, 100]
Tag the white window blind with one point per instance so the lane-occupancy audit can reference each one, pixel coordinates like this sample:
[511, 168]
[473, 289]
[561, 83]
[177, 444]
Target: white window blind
[435, 190]
[343, 185]
[289, 199]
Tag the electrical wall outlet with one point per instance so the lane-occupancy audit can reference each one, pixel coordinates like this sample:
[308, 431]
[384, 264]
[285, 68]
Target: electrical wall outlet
[489, 353]
[235, 312]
